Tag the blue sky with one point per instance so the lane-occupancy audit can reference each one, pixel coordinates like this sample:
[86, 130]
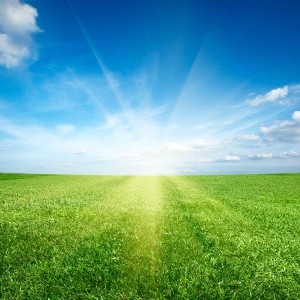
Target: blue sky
[149, 87]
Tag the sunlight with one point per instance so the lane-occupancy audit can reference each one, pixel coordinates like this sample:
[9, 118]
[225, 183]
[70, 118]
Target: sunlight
[144, 89]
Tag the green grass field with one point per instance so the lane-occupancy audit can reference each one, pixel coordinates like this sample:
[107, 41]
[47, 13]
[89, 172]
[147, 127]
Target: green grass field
[109, 237]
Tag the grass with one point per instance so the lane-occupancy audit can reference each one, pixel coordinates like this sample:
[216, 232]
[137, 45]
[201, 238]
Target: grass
[199, 237]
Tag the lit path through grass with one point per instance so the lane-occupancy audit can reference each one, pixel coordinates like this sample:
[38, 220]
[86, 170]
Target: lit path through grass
[142, 204]
[133, 215]
[105, 237]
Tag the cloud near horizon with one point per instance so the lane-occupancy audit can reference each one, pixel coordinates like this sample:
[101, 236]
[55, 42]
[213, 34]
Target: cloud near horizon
[80, 147]
[286, 131]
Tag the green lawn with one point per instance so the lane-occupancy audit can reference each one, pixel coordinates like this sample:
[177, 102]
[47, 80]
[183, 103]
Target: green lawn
[109, 237]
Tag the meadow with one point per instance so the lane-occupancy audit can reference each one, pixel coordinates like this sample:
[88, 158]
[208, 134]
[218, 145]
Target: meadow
[127, 237]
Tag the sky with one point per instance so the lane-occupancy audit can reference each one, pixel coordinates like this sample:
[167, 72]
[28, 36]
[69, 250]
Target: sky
[149, 87]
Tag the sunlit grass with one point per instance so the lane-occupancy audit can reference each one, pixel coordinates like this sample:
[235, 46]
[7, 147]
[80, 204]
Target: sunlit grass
[200, 237]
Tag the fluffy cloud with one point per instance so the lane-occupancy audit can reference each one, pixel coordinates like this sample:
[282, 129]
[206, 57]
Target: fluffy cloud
[284, 131]
[275, 95]
[17, 24]
[296, 116]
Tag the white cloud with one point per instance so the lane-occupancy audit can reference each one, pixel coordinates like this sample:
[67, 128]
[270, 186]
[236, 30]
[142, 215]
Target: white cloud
[232, 158]
[252, 156]
[283, 131]
[275, 95]
[296, 116]
[260, 155]
[269, 155]
[17, 17]
[11, 53]
[44, 143]
[289, 154]
[17, 24]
